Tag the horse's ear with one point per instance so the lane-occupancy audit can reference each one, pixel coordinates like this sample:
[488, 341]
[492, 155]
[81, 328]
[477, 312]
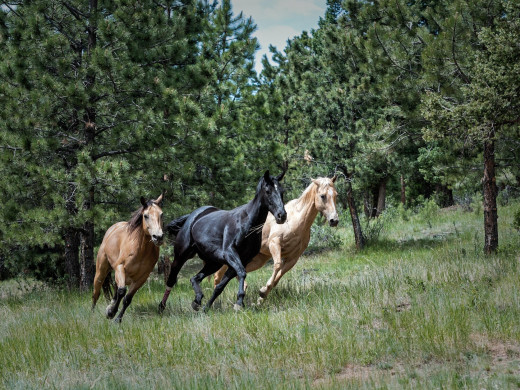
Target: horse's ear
[143, 201]
[334, 178]
[315, 181]
[159, 200]
[267, 176]
[280, 176]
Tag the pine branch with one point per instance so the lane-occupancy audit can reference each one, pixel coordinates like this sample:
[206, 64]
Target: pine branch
[462, 74]
[74, 11]
[112, 153]
[390, 57]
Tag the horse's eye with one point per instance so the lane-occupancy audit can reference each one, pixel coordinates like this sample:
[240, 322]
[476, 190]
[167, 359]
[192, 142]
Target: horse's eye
[146, 216]
[324, 197]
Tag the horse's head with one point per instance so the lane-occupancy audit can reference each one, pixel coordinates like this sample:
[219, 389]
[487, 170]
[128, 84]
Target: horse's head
[325, 199]
[271, 192]
[152, 219]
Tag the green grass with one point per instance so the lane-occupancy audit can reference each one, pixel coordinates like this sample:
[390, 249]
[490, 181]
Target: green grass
[420, 308]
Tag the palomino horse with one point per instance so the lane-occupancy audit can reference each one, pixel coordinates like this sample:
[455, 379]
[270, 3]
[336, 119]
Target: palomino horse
[285, 243]
[222, 237]
[131, 249]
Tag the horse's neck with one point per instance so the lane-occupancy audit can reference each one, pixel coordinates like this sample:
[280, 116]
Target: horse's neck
[306, 209]
[256, 213]
[144, 242]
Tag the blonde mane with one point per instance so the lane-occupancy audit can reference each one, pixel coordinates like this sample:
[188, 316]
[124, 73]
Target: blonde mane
[310, 192]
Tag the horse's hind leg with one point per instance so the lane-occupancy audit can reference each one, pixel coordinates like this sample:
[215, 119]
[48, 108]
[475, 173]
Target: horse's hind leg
[219, 275]
[208, 269]
[176, 266]
[120, 292]
[109, 287]
[102, 270]
[230, 274]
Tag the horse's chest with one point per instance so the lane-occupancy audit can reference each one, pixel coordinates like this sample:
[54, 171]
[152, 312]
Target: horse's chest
[294, 243]
[139, 265]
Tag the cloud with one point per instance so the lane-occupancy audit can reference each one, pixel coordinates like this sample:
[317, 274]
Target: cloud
[273, 11]
[278, 20]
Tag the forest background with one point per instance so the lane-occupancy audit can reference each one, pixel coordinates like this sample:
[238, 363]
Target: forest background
[102, 102]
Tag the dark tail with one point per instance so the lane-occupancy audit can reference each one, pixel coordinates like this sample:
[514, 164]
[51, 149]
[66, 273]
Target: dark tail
[174, 226]
[109, 287]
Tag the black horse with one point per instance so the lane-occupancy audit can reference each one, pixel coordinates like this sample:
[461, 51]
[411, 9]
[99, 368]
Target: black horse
[223, 237]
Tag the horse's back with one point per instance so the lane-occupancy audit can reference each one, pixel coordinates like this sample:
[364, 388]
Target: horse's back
[183, 240]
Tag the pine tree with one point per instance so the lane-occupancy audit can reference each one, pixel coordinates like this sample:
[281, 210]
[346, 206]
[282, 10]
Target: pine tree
[93, 94]
[479, 89]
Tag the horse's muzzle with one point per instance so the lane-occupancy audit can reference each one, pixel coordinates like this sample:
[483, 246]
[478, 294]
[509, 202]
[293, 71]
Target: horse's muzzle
[157, 240]
[280, 217]
[333, 222]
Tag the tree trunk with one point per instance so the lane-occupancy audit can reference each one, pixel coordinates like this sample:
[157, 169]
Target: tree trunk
[366, 205]
[490, 198]
[71, 239]
[403, 191]
[375, 195]
[381, 197]
[356, 225]
[87, 263]
[444, 195]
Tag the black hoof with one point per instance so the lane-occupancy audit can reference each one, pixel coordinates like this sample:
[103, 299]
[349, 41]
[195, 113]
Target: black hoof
[195, 306]
[161, 308]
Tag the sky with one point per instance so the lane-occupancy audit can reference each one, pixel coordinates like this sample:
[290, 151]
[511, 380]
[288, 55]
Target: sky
[279, 20]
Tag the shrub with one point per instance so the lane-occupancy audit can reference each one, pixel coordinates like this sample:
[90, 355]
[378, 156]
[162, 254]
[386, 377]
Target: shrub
[516, 220]
[429, 211]
[323, 237]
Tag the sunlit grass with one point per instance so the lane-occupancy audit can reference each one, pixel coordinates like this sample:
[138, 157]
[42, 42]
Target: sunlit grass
[421, 307]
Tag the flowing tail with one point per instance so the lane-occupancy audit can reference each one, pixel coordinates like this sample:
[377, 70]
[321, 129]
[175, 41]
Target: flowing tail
[109, 287]
[176, 225]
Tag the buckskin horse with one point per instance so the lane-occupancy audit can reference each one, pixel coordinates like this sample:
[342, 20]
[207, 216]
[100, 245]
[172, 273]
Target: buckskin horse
[131, 249]
[221, 237]
[286, 243]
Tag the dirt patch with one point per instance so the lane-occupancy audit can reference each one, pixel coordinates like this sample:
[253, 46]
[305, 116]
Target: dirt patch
[500, 357]
[502, 353]
[357, 372]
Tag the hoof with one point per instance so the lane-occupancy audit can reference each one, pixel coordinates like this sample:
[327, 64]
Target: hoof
[260, 301]
[237, 307]
[161, 307]
[110, 313]
[117, 320]
[263, 292]
[195, 306]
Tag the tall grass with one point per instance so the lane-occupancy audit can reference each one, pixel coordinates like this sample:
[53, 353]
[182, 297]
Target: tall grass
[422, 307]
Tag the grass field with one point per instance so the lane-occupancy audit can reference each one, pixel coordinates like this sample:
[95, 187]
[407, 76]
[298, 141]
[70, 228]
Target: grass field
[420, 308]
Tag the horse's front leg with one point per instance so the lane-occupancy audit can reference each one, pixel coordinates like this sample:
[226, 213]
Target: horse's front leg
[128, 297]
[236, 264]
[276, 251]
[120, 292]
[230, 274]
